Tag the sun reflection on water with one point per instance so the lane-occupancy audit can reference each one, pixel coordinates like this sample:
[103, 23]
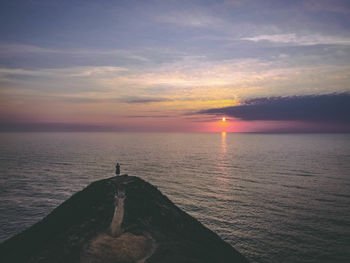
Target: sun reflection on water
[223, 142]
[222, 171]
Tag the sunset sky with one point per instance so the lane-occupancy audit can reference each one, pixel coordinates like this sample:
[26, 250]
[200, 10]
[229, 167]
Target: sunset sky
[267, 66]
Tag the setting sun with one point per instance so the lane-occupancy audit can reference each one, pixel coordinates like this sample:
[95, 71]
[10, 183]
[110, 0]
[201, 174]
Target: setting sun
[224, 119]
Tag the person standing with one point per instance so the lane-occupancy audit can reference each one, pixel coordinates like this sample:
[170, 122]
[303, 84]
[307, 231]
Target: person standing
[117, 169]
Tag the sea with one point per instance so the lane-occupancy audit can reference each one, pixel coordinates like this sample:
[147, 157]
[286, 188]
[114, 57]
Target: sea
[274, 197]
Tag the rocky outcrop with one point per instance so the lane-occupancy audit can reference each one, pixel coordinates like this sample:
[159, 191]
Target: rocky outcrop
[120, 219]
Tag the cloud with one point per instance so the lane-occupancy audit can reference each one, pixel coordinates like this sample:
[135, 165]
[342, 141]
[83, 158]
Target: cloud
[189, 19]
[337, 6]
[235, 3]
[56, 127]
[63, 72]
[150, 116]
[300, 40]
[144, 100]
[18, 49]
[192, 83]
[329, 108]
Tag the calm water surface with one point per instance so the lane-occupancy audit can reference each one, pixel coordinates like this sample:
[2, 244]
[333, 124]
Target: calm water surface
[275, 198]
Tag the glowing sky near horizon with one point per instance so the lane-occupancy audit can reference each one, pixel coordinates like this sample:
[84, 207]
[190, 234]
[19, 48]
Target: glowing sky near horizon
[155, 65]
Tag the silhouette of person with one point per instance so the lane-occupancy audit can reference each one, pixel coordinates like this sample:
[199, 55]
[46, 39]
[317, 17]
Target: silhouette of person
[117, 169]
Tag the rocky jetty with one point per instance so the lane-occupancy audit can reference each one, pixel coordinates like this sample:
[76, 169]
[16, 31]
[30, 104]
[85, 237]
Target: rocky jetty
[120, 219]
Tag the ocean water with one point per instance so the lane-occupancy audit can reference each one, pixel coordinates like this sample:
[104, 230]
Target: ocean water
[274, 197]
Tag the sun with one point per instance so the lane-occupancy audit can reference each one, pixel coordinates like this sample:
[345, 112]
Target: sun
[223, 119]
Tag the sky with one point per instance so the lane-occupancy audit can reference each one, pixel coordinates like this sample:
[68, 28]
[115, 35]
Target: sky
[175, 66]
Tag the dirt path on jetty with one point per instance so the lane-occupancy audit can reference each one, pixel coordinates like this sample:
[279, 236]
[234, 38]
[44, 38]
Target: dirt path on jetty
[118, 246]
[117, 220]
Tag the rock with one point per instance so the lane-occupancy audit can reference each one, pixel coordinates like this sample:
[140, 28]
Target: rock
[120, 219]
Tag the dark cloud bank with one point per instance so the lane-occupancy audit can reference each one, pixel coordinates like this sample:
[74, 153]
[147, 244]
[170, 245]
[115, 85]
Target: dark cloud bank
[330, 108]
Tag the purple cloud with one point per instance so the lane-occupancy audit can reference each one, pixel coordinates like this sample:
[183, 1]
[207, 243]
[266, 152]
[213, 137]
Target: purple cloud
[329, 108]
